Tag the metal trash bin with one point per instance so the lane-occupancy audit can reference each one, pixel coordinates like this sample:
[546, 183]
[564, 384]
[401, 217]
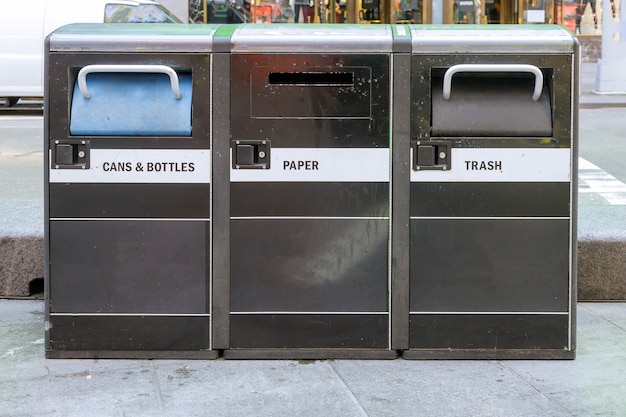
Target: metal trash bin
[128, 191]
[493, 192]
[309, 227]
[280, 192]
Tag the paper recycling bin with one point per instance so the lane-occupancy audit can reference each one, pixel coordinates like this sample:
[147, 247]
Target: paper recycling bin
[128, 191]
[310, 192]
[493, 192]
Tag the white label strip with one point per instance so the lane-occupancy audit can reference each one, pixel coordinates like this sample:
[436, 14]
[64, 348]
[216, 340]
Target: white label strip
[320, 165]
[501, 165]
[140, 166]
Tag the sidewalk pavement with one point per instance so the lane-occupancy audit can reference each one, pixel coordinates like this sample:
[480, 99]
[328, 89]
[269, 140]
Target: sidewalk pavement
[589, 98]
[594, 384]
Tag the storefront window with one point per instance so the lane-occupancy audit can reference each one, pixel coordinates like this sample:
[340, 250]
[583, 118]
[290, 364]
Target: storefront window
[466, 11]
[410, 11]
[492, 11]
[537, 11]
[582, 17]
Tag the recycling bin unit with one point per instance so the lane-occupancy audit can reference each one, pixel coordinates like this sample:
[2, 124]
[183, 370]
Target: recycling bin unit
[493, 192]
[309, 227]
[310, 191]
[128, 191]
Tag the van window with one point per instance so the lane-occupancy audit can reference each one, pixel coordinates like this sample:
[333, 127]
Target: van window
[143, 13]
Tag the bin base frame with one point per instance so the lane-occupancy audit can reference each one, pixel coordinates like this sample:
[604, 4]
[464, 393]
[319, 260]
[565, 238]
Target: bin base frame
[309, 354]
[132, 354]
[488, 354]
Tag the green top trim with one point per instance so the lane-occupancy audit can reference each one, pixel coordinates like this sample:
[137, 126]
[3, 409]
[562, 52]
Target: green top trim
[137, 29]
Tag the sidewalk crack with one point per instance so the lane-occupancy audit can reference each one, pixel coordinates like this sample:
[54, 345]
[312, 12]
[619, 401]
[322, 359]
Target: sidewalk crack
[355, 401]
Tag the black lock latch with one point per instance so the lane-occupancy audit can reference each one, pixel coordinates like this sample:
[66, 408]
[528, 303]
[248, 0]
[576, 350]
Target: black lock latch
[432, 155]
[70, 154]
[251, 154]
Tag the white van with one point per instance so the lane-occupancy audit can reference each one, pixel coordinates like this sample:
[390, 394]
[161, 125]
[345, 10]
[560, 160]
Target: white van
[24, 26]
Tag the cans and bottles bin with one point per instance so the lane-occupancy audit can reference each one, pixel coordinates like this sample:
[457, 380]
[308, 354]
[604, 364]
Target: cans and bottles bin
[310, 191]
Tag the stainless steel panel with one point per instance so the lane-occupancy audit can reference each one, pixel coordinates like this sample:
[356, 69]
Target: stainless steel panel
[526, 333]
[312, 38]
[129, 266]
[485, 265]
[503, 39]
[313, 265]
[320, 331]
[120, 37]
[145, 334]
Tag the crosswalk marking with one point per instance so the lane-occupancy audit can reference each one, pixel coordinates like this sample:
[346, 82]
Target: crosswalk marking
[592, 179]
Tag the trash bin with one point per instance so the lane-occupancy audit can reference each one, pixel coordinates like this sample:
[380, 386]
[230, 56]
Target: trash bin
[493, 192]
[309, 228]
[128, 191]
[310, 191]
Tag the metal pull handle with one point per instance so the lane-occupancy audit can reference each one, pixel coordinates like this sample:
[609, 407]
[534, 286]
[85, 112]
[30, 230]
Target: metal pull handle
[161, 69]
[447, 77]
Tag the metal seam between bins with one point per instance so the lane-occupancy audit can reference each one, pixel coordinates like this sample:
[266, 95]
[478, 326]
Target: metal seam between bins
[210, 251]
[573, 203]
[390, 236]
[576, 68]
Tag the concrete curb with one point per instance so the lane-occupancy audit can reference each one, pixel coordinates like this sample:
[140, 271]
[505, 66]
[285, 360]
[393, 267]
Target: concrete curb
[21, 262]
[602, 266]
